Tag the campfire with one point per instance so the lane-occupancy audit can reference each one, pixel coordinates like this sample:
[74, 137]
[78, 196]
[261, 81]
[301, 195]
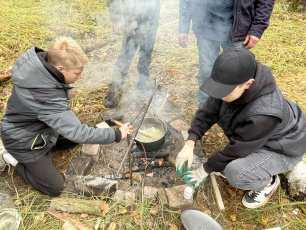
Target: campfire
[144, 164]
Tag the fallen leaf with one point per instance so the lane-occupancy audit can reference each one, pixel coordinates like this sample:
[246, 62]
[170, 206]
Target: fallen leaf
[172, 227]
[104, 208]
[84, 215]
[113, 226]
[154, 211]
[264, 220]
[233, 217]
[123, 210]
[67, 218]
[69, 226]
[303, 208]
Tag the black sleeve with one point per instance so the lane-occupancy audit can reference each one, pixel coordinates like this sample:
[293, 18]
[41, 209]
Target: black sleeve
[247, 138]
[263, 11]
[204, 118]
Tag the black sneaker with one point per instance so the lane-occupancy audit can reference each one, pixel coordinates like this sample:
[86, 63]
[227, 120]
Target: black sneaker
[254, 199]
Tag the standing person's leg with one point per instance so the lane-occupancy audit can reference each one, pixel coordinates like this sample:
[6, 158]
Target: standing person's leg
[42, 175]
[147, 41]
[208, 52]
[121, 68]
[128, 50]
[258, 173]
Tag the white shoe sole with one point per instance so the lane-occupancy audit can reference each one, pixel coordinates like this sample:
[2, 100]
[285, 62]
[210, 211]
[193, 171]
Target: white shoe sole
[258, 205]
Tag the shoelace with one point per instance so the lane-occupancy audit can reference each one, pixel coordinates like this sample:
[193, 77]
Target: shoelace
[253, 194]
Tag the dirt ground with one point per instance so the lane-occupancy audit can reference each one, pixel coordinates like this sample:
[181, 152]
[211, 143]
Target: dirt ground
[283, 48]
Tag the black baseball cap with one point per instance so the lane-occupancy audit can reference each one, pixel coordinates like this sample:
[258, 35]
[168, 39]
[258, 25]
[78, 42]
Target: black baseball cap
[233, 67]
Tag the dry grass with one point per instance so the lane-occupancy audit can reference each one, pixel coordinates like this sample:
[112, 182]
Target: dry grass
[34, 22]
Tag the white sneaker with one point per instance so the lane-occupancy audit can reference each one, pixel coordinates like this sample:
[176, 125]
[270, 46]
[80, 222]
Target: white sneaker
[254, 199]
[2, 162]
[6, 159]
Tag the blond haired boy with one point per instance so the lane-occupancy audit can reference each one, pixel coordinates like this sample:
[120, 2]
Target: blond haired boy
[38, 116]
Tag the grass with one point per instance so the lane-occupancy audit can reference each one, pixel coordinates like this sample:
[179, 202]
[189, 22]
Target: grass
[34, 22]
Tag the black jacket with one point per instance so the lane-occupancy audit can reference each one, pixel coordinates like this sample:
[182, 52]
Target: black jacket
[249, 17]
[261, 118]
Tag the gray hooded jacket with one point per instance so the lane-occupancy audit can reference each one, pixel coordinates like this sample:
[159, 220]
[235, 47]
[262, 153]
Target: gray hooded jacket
[38, 112]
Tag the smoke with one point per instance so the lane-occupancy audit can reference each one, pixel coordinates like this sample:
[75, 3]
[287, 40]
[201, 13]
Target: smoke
[95, 25]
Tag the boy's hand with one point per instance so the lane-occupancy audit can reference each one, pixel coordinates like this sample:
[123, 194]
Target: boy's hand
[195, 177]
[250, 41]
[186, 154]
[126, 129]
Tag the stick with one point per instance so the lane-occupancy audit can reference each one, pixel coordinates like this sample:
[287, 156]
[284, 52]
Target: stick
[67, 218]
[137, 129]
[73, 205]
[217, 192]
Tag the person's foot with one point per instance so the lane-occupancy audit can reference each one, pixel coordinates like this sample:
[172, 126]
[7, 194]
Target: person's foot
[194, 219]
[2, 162]
[252, 199]
[6, 159]
[113, 96]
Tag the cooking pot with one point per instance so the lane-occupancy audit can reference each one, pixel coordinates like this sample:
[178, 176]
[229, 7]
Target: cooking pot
[151, 143]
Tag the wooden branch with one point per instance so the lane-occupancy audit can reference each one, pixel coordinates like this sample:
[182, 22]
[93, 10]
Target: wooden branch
[71, 205]
[65, 217]
[217, 192]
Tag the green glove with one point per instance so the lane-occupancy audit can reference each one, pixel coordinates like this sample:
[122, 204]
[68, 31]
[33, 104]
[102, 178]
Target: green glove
[195, 177]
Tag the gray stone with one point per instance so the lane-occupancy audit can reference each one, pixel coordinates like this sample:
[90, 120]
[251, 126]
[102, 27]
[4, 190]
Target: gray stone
[91, 185]
[90, 149]
[175, 197]
[127, 197]
[162, 196]
[80, 165]
[150, 192]
[6, 201]
[180, 125]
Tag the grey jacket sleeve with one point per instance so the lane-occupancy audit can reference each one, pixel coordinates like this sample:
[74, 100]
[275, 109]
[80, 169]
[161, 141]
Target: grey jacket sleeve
[185, 16]
[69, 126]
[54, 111]
[263, 11]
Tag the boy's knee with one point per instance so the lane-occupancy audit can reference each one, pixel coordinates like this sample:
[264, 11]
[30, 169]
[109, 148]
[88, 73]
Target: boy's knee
[235, 176]
[55, 186]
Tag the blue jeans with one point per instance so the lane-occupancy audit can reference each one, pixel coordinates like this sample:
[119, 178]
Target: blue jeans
[208, 51]
[254, 172]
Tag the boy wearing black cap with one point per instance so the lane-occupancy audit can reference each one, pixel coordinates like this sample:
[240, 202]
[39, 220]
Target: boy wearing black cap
[266, 132]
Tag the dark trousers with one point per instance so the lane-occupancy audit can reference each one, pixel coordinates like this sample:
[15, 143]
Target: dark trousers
[42, 174]
[143, 40]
